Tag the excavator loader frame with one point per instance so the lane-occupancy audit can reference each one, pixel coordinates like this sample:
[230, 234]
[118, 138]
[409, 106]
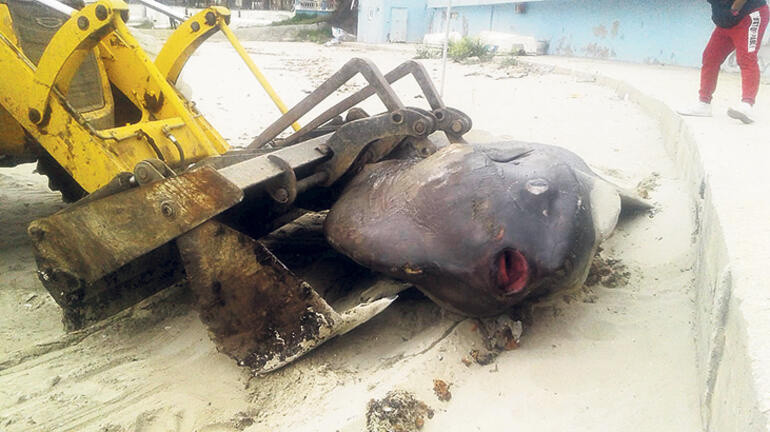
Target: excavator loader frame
[163, 190]
[167, 128]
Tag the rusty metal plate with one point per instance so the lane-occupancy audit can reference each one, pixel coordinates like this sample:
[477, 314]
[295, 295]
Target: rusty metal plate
[258, 311]
[82, 251]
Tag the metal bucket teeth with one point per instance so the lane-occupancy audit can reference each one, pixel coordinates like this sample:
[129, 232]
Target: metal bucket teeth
[257, 311]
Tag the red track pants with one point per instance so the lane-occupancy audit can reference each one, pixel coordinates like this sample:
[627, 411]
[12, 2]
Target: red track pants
[745, 38]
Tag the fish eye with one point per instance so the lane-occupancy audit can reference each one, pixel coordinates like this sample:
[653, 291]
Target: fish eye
[537, 186]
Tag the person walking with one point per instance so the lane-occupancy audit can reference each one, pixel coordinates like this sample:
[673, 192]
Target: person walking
[740, 26]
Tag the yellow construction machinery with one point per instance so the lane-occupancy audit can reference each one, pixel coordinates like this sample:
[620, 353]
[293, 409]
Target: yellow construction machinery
[160, 198]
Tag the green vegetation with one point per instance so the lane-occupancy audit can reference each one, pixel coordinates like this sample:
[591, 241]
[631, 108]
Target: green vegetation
[462, 50]
[512, 58]
[509, 61]
[299, 18]
[468, 48]
[319, 35]
[427, 52]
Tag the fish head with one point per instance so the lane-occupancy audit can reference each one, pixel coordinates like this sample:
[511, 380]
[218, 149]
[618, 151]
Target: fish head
[475, 230]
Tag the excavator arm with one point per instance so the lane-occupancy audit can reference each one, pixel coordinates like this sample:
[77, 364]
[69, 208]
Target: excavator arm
[170, 204]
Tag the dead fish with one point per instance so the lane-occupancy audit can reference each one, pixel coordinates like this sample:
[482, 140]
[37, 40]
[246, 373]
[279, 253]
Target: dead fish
[479, 228]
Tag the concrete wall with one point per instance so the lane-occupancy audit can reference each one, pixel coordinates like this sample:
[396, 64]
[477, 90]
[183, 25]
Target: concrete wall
[643, 31]
[651, 31]
[374, 19]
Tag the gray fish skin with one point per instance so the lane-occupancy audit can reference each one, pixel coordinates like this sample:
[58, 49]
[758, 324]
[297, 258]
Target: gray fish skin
[477, 229]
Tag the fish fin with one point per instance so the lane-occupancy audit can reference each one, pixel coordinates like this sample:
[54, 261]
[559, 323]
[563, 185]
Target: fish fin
[610, 202]
[631, 202]
[606, 205]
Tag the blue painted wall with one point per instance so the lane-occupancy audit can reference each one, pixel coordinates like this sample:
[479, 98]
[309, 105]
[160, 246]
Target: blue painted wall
[651, 31]
[371, 21]
[374, 19]
[643, 31]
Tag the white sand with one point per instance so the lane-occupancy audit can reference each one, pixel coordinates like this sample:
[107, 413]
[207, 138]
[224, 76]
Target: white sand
[604, 359]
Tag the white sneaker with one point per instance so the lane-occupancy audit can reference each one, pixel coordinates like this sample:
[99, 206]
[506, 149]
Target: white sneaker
[743, 112]
[700, 109]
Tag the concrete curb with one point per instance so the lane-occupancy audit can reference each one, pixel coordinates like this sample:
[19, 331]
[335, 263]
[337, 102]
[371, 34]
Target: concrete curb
[731, 392]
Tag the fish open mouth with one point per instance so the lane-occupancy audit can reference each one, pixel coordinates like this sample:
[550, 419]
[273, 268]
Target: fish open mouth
[512, 271]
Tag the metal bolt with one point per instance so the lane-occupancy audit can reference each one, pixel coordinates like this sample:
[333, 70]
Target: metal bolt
[211, 19]
[101, 12]
[167, 209]
[34, 115]
[323, 149]
[83, 23]
[195, 26]
[142, 173]
[537, 186]
[369, 156]
[36, 233]
[419, 127]
[457, 126]
[281, 195]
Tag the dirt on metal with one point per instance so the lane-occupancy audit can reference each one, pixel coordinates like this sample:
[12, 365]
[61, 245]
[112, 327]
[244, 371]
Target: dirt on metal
[258, 312]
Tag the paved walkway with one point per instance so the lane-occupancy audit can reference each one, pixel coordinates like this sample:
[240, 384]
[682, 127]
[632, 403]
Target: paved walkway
[728, 165]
